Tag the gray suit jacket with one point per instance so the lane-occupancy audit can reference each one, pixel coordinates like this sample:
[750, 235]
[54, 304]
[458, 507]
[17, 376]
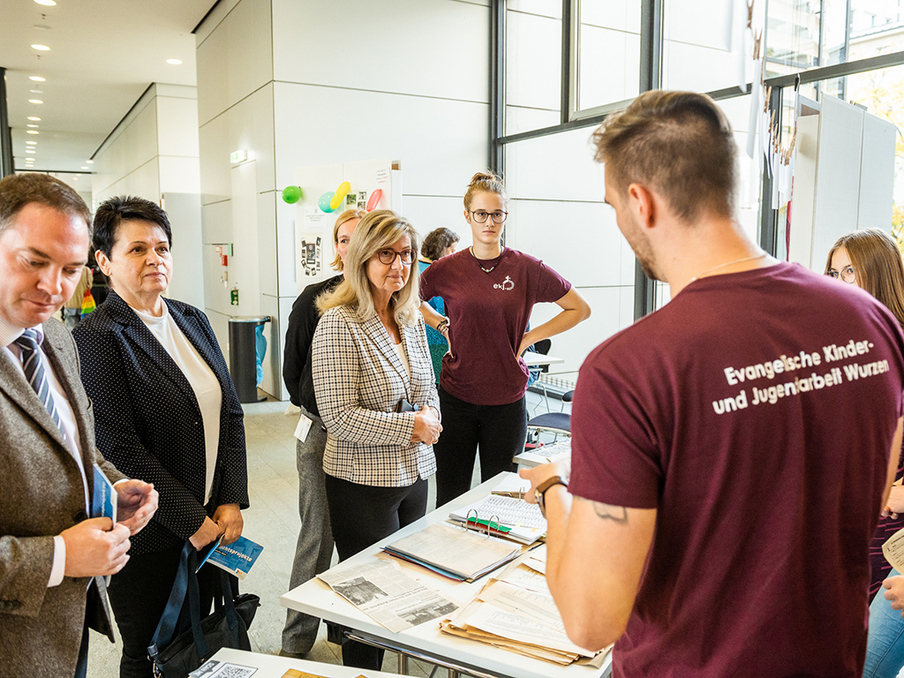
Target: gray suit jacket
[42, 495]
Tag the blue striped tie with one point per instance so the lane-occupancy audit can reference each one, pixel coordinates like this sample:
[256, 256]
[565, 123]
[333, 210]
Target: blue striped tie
[33, 365]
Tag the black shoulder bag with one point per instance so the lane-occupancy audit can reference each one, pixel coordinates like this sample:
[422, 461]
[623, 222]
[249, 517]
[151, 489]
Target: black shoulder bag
[226, 626]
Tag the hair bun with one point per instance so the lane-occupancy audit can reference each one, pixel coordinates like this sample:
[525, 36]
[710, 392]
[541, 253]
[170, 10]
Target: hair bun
[487, 176]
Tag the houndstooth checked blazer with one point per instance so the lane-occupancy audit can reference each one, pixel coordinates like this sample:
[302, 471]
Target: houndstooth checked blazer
[358, 381]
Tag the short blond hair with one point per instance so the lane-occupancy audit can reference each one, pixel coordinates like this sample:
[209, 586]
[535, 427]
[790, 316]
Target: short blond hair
[378, 230]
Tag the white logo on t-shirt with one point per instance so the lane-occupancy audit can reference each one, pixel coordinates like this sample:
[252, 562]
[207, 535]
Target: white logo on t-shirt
[506, 284]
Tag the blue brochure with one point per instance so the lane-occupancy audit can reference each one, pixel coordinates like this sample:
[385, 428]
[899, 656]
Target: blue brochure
[103, 499]
[237, 557]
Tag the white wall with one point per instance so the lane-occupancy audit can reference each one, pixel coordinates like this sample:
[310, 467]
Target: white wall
[400, 79]
[153, 154]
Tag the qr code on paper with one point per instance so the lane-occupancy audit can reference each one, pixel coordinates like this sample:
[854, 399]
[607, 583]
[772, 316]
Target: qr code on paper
[219, 669]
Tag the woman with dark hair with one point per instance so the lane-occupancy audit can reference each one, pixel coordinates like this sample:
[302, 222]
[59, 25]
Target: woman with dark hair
[489, 291]
[165, 411]
[870, 259]
[439, 243]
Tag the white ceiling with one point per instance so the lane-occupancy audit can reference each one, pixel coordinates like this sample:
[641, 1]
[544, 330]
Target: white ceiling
[103, 55]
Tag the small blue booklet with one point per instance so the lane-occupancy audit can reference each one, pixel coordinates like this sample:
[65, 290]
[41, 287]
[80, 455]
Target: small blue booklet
[103, 499]
[236, 558]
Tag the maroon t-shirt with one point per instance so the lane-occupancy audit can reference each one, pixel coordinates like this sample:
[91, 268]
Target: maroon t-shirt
[755, 411]
[488, 314]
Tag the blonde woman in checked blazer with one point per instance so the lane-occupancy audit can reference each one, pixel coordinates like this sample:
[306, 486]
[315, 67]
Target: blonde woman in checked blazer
[373, 380]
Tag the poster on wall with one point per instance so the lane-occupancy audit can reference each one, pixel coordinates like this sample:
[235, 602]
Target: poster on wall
[326, 192]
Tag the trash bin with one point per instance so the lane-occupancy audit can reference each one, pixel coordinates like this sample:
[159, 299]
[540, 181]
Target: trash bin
[243, 355]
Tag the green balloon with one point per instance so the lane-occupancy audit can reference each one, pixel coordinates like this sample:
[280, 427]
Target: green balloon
[292, 194]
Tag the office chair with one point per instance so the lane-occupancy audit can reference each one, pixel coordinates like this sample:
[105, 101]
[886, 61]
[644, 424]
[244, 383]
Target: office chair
[557, 423]
[534, 373]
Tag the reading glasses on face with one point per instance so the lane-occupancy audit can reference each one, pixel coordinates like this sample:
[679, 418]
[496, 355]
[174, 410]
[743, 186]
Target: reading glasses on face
[847, 274]
[481, 217]
[388, 257]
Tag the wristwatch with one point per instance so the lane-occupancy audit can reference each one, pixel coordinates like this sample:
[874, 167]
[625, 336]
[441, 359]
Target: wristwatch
[540, 492]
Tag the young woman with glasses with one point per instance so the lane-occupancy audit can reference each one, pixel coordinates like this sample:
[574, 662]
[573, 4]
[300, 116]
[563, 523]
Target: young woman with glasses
[870, 259]
[489, 291]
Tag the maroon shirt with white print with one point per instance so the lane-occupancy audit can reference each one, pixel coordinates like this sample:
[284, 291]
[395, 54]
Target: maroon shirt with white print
[488, 315]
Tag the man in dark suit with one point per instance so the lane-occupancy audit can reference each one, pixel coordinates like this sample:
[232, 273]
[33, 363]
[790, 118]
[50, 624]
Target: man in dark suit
[52, 555]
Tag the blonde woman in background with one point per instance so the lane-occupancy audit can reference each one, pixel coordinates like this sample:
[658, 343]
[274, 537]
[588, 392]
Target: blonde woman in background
[314, 549]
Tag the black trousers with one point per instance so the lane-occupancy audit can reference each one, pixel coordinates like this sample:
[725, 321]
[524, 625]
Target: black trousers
[361, 515]
[138, 595]
[498, 431]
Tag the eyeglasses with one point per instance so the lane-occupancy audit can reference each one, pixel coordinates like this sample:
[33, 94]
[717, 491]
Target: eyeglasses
[847, 274]
[388, 257]
[481, 217]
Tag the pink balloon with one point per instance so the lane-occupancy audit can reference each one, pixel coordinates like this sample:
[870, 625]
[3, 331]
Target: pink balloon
[374, 199]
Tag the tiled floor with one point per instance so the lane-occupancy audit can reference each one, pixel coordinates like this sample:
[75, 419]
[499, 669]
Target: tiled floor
[273, 522]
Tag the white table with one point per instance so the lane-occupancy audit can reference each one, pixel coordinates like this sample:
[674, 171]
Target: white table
[532, 359]
[426, 641]
[271, 666]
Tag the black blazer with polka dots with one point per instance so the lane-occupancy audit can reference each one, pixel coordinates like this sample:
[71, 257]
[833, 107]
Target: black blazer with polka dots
[147, 419]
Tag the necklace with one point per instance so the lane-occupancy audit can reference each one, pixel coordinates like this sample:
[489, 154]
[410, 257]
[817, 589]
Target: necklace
[485, 270]
[729, 263]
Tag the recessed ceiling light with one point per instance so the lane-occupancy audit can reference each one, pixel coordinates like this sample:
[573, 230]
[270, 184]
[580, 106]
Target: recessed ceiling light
[85, 167]
[34, 117]
[32, 131]
[36, 91]
[46, 3]
[41, 48]
[31, 125]
[174, 62]
[90, 162]
[32, 143]
[35, 101]
[28, 150]
[37, 78]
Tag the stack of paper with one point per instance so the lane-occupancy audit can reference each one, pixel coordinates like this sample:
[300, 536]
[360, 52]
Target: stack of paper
[454, 552]
[506, 516]
[516, 612]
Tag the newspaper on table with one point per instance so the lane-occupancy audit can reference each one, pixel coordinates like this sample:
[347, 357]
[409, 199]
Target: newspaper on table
[386, 594]
[216, 668]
